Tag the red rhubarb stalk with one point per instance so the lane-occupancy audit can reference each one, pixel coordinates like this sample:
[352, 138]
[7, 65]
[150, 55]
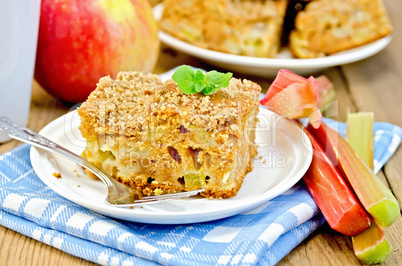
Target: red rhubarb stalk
[294, 97]
[375, 197]
[337, 202]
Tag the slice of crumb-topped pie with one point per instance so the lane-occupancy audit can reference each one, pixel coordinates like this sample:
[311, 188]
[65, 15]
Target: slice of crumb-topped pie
[149, 135]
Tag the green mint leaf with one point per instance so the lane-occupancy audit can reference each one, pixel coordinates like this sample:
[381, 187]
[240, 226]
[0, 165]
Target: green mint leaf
[199, 76]
[193, 81]
[199, 79]
[184, 77]
[216, 81]
[198, 87]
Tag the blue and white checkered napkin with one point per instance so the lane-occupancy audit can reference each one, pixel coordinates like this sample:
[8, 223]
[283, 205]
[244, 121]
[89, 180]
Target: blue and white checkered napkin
[260, 236]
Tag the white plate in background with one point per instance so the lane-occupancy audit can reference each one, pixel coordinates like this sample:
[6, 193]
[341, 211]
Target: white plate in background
[284, 156]
[268, 67]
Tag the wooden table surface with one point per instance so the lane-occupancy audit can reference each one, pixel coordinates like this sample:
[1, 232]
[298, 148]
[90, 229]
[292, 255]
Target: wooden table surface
[373, 84]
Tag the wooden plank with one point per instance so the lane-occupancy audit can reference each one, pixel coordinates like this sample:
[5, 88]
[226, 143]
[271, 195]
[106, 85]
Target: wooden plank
[326, 247]
[17, 249]
[393, 234]
[393, 172]
[376, 83]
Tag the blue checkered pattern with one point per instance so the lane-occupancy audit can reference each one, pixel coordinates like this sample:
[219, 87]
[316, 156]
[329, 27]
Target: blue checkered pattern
[261, 236]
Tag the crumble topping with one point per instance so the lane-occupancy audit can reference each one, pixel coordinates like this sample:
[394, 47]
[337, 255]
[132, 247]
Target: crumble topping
[57, 175]
[126, 105]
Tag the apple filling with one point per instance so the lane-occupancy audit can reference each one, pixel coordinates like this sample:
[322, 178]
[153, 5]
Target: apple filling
[197, 167]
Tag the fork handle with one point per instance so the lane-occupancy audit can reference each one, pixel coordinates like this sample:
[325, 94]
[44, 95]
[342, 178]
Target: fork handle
[29, 136]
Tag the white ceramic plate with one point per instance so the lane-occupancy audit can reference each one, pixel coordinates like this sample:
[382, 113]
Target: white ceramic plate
[268, 67]
[283, 157]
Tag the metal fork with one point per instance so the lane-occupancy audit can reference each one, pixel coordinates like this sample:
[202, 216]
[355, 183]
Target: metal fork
[119, 195]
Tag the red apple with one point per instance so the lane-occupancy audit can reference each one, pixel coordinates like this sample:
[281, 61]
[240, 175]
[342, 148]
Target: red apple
[82, 41]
